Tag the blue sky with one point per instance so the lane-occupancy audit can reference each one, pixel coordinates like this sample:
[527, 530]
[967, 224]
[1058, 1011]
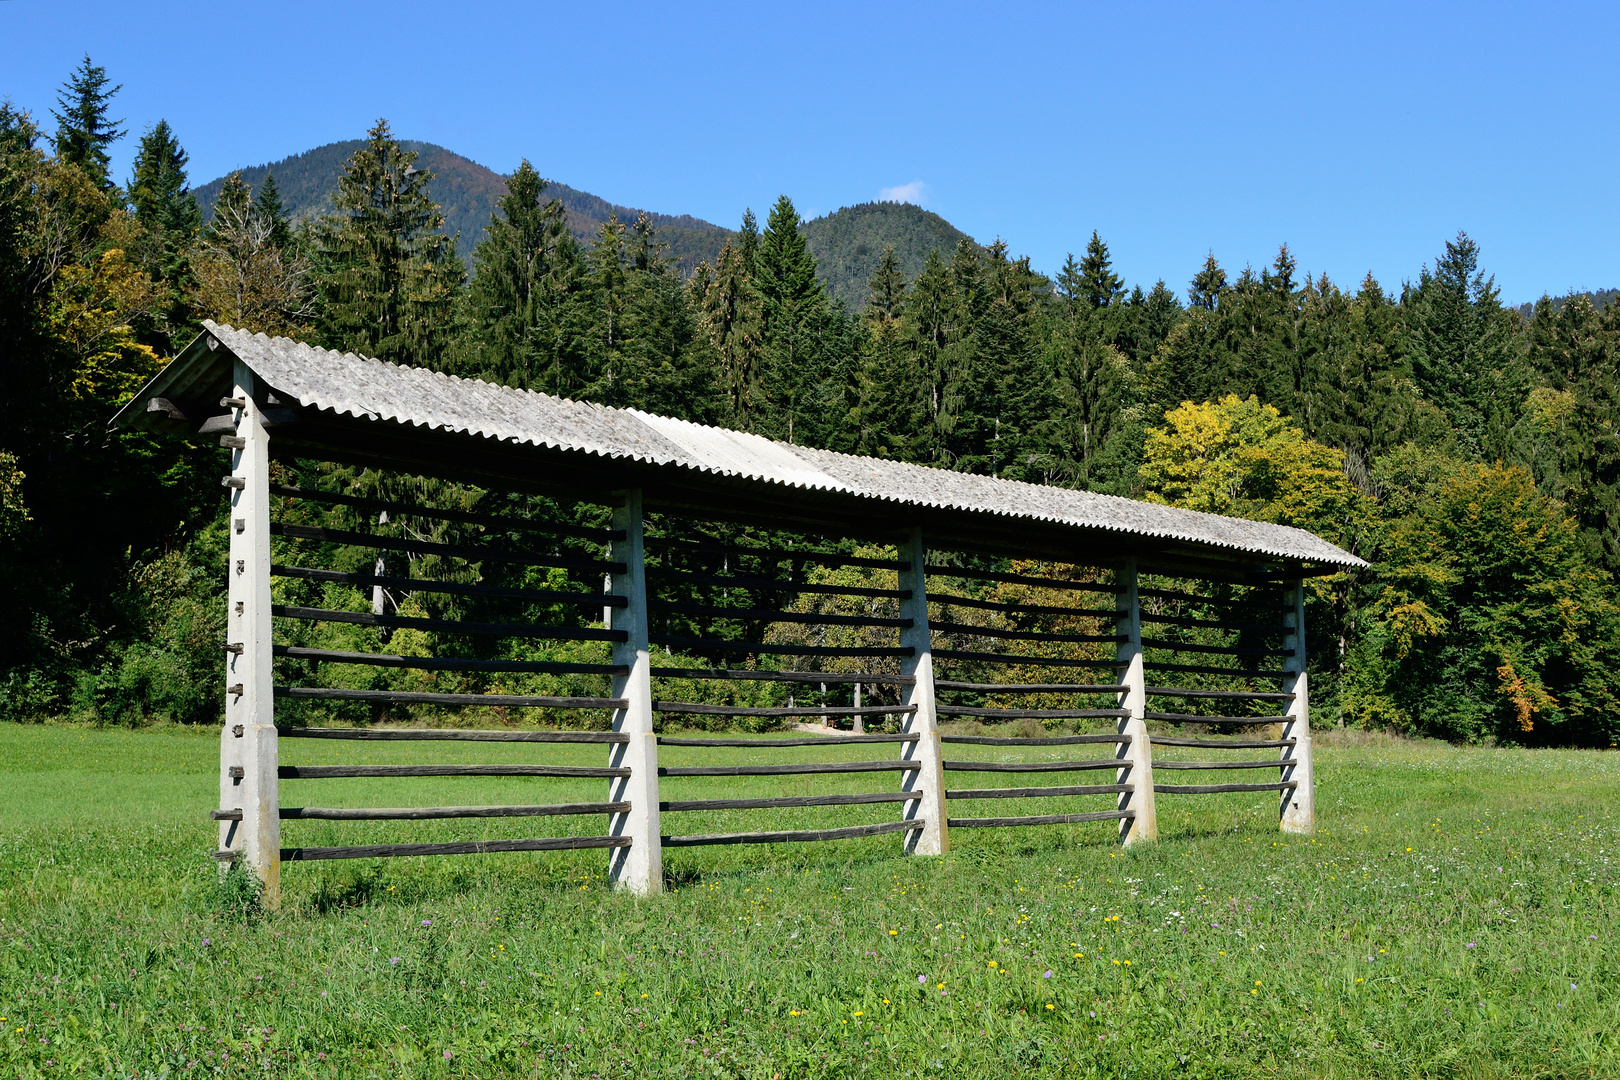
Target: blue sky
[1362, 135]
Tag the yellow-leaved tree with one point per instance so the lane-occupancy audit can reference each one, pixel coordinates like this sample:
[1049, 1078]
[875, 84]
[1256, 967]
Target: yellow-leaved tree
[1244, 458]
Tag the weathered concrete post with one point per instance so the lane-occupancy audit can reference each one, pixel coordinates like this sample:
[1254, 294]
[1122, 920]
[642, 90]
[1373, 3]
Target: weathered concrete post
[639, 867]
[1136, 757]
[1298, 805]
[248, 757]
[934, 837]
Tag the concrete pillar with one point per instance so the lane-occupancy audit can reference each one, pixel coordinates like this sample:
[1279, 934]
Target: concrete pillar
[934, 837]
[639, 867]
[248, 751]
[1298, 805]
[1136, 757]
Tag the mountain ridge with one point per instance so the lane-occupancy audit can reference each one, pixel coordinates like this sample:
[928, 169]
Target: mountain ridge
[467, 194]
[847, 243]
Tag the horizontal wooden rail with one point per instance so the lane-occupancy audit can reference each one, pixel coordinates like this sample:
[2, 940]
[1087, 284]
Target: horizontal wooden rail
[1017, 658]
[1253, 605]
[1273, 764]
[469, 847]
[1217, 789]
[964, 573]
[1015, 608]
[1043, 740]
[1031, 688]
[450, 735]
[1182, 692]
[1193, 718]
[452, 588]
[750, 675]
[465, 517]
[789, 770]
[1030, 714]
[772, 616]
[813, 740]
[1198, 669]
[1037, 792]
[821, 558]
[1027, 766]
[671, 641]
[1223, 650]
[448, 626]
[443, 663]
[1225, 744]
[764, 584]
[349, 538]
[434, 813]
[1041, 819]
[790, 801]
[1215, 624]
[792, 836]
[762, 710]
[970, 630]
[409, 697]
[336, 772]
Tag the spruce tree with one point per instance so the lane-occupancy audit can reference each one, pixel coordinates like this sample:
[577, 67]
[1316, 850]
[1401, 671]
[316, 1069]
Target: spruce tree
[524, 304]
[273, 213]
[388, 277]
[166, 208]
[748, 241]
[1098, 286]
[1207, 285]
[1464, 353]
[729, 316]
[793, 306]
[83, 129]
[891, 414]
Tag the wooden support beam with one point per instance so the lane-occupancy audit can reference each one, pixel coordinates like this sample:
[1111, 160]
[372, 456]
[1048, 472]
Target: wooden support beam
[248, 743]
[926, 832]
[638, 868]
[793, 836]
[1298, 806]
[1136, 755]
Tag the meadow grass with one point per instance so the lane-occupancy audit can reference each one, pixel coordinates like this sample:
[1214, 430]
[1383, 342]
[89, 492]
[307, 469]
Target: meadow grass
[1453, 916]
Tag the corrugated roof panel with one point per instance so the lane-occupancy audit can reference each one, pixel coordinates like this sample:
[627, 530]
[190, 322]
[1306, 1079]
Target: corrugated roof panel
[352, 385]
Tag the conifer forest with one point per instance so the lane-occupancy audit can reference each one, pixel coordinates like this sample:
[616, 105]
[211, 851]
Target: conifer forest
[1467, 447]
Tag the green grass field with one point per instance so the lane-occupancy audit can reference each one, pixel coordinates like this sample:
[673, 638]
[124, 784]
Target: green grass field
[1454, 916]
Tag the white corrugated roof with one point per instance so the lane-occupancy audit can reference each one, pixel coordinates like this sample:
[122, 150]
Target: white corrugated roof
[351, 385]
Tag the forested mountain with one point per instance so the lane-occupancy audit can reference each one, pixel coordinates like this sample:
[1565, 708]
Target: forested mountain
[1470, 451]
[848, 244]
[466, 193]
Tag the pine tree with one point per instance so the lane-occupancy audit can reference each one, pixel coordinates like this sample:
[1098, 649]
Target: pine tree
[388, 277]
[83, 129]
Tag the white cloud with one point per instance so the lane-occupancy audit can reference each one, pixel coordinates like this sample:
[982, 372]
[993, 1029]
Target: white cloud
[914, 193]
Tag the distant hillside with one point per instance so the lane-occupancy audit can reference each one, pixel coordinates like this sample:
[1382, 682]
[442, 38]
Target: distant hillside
[467, 193]
[848, 243]
[1600, 299]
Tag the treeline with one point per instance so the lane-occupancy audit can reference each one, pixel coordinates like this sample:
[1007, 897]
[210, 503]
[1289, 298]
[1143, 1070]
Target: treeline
[1467, 449]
